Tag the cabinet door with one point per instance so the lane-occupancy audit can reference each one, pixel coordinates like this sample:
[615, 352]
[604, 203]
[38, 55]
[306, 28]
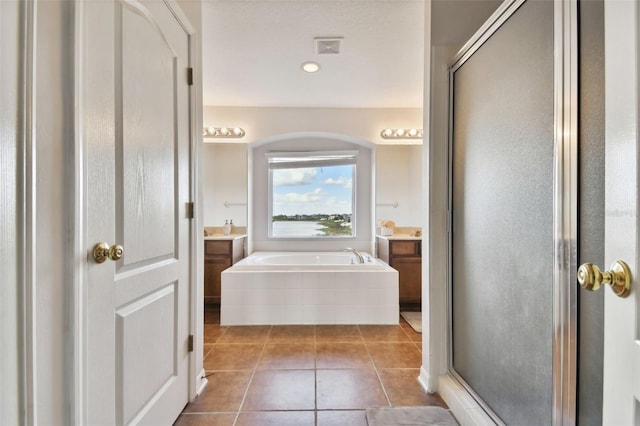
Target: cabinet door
[213, 267]
[217, 248]
[410, 278]
[405, 248]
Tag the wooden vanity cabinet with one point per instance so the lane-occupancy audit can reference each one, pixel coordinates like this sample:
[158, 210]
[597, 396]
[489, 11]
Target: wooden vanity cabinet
[405, 256]
[218, 256]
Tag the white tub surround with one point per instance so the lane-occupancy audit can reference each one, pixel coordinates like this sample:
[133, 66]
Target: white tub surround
[309, 288]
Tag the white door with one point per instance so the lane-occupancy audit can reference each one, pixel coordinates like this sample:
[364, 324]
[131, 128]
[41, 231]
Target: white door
[621, 339]
[134, 104]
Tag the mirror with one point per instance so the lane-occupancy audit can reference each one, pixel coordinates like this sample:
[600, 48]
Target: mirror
[224, 168]
[399, 185]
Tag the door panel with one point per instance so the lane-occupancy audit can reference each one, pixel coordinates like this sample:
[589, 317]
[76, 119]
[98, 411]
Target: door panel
[621, 382]
[137, 367]
[147, 151]
[502, 217]
[146, 366]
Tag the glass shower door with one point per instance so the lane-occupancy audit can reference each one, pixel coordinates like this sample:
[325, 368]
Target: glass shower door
[502, 195]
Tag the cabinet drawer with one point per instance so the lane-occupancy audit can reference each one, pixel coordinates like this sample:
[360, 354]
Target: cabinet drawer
[405, 248]
[217, 248]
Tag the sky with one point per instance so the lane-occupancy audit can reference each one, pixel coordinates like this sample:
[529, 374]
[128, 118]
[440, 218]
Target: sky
[312, 190]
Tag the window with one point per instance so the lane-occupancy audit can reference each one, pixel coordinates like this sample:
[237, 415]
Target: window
[311, 194]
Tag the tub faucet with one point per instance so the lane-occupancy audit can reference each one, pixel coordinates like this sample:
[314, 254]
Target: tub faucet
[356, 252]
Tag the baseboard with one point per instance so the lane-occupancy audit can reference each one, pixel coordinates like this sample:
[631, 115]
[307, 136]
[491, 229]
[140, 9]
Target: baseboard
[425, 381]
[463, 406]
[202, 382]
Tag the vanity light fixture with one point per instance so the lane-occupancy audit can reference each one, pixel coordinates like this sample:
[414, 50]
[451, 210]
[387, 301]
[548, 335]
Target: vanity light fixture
[222, 132]
[310, 67]
[401, 134]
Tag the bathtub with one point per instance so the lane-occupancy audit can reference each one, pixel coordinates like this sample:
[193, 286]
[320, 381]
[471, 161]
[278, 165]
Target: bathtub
[310, 260]
[309, 288]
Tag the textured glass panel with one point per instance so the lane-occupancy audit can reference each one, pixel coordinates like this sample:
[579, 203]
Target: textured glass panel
[503, 217]
[591, 242]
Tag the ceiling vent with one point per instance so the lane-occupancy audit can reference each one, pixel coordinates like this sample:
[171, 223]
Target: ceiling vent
[328, 45]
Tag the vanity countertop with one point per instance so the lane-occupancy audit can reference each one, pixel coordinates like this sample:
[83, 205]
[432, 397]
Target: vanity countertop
[222, 237]
[399, 237]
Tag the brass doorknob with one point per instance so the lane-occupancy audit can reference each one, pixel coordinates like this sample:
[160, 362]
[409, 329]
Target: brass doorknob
[618, 277]
[102, 252]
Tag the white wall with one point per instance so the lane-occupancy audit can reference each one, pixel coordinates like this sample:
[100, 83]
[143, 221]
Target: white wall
[361, 123]
[225, 180]
[11, 223]
[398, 166]
[399, 180]
[193, 11]
[435, 244]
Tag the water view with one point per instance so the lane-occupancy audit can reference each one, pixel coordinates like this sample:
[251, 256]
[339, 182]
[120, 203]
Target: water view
[296, 229]
[305, 229]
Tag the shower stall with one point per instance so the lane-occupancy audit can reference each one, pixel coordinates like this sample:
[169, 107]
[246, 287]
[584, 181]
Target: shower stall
[520, 127]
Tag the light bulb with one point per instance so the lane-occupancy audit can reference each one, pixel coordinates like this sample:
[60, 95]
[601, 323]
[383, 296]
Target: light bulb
[311, 67]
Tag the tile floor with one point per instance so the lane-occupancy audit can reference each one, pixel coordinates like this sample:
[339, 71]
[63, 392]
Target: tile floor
[305, 375]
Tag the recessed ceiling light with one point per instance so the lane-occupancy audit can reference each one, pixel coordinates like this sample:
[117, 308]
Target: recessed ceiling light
[311, 67]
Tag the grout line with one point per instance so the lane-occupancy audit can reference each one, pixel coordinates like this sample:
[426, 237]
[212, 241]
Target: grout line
[315, 341]
[375, 368]
[253, 374]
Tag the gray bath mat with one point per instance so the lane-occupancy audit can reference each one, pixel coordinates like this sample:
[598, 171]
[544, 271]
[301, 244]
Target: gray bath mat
[414, 319]
[410, 416]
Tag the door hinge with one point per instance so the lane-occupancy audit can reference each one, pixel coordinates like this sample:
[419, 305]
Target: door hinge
[190, 76]
[190, 210]
[190, 343]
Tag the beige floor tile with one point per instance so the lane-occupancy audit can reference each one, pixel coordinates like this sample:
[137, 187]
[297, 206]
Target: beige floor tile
[288, 356]
[342, 355]
[212, 333]
[233, 357]
[342, 418]
[338, 333]
[281, 390]
[208, 419]
[404, 390]
[395, 355]
[383, 333]
[224, 392]
[246, 334]
[414, 336]
[349, 389]
[277, 418]
[291, 333]
[206, 348]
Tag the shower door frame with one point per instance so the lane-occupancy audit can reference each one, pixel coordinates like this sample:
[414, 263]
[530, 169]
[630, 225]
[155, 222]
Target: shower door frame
[565, 203]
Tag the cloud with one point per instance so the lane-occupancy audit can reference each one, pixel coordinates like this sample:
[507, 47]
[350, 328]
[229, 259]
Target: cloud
[294, 197]
[342, 181]
[290, 177]
[311, 202]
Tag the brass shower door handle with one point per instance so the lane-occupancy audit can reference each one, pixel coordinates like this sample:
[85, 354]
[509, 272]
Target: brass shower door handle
[618, 277]
[102, 252]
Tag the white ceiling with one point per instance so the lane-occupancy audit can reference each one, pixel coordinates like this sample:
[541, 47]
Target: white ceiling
[253, 49]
